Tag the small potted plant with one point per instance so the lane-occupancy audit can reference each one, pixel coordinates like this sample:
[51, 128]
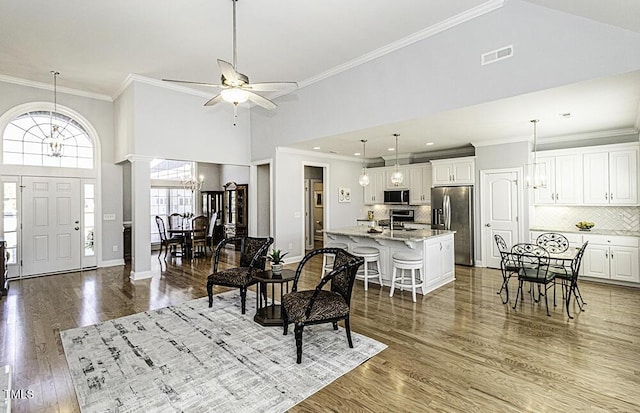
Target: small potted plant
[275, 257]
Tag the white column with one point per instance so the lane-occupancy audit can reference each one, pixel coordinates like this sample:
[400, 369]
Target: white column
[140, 217]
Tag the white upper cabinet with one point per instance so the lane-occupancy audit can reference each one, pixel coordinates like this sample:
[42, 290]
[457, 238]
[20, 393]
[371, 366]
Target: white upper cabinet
[611, 178]
[420, 184]
[374, 192]
[459, 171]
[564, 180]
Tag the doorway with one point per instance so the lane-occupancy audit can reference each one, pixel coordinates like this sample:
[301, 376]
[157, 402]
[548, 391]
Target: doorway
[52, 238]
[263, 200]
[314, 206]
[501, 211]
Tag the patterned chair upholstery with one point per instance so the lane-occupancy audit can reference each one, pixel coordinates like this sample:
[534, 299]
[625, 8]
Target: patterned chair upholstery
[318, 305]
[252, 259]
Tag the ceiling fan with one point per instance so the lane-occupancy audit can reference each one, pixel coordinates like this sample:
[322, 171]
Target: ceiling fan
[236, 87]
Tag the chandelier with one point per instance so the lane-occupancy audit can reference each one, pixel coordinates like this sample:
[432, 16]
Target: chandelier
[193, 184]
[396, 176]
[56, 137]
[536, 172]
[363, 180]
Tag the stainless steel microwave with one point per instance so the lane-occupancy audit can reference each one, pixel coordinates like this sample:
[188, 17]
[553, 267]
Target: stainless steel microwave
[396, 197]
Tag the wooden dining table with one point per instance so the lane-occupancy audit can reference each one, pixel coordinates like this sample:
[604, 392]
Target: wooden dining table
[186, 233]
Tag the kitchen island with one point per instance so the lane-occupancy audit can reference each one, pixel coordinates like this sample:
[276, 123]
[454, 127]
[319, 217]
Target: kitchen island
[434, 246]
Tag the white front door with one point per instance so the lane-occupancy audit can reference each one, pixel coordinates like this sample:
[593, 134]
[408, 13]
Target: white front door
[51, 236]
[500, 209]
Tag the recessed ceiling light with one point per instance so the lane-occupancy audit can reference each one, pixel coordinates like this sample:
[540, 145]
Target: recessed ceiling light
[357, 154]
[429, 143]
[391, 149]
[565, 115]
[316, 148]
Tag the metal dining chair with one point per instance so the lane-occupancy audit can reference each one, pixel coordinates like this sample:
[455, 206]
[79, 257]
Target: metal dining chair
[533, 267]
[569, 278]
[508, 266]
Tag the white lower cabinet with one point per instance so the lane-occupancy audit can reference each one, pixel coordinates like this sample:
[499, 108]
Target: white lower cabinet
[439, 255]
[607, 257]
[614, 258]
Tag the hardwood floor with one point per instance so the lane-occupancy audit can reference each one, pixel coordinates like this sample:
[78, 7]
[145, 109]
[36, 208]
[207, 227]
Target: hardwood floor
[456, 349]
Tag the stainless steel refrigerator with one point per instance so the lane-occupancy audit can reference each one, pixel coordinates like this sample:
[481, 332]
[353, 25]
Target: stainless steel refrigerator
[452, 209]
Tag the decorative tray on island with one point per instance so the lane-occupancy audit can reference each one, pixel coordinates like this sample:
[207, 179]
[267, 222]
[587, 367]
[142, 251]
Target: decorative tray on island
[374, 231]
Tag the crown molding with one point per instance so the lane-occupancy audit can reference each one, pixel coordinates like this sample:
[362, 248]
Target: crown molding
[139, 158]
[499, 141]
[61, 89]
[430, 31]
[315, 154]
[158, 83]
[589, 135]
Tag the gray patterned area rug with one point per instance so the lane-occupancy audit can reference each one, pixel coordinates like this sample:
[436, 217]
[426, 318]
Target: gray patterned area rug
[192, 358]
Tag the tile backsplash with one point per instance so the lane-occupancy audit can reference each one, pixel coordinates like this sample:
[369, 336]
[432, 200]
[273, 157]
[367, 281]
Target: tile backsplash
[564, 218]
[422, 213]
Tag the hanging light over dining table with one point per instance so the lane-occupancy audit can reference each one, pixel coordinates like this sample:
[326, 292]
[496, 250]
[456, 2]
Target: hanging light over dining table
[536, 177]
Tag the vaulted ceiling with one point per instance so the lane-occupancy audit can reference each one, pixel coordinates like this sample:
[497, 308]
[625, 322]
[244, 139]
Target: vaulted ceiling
[96, 45]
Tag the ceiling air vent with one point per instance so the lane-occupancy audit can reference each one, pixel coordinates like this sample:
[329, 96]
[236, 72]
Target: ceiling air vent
[495, 55]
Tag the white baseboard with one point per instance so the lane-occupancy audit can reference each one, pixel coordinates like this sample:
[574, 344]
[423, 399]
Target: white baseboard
[111, 263]
[140, 275]
[478, 263]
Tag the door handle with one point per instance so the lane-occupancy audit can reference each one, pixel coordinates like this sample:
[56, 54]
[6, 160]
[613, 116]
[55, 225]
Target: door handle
[488, 225]
[611, 197]
[606, 196]
[77, 228]
[77, 222]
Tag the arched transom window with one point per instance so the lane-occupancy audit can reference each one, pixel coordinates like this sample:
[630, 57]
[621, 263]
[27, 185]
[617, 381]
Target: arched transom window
[44, 138]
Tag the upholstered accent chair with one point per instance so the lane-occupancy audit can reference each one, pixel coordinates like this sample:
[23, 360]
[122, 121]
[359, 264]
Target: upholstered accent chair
[164, 240]
[252, 259]
[320, 305]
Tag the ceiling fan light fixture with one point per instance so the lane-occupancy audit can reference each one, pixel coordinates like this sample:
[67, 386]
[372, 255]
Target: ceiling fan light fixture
[234, 95]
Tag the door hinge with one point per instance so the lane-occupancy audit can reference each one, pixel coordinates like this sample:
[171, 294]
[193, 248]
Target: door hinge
[21, 263]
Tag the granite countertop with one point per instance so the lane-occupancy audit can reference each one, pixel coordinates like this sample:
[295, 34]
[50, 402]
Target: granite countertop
[395, 235]
[594, 231]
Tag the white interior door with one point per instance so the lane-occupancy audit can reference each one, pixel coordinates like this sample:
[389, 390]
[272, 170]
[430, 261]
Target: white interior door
[51, 215]
[500, 209]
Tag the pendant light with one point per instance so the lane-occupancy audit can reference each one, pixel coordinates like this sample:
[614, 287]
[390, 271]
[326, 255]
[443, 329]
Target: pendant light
[536, 172]
[363, 180]
[55, 138]
[396, 176]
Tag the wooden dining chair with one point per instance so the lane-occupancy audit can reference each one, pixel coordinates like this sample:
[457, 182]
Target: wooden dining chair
[533, 267]
[199, 235]
[166, 242]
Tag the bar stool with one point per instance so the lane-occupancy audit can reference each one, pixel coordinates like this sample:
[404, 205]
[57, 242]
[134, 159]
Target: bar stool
[371, 255]
[406, 261]
[327, 259]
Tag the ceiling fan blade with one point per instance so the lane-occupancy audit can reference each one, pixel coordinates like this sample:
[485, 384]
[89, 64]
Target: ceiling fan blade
[214, 100]
[229, 73]
[191, 83]
[271, 86]
[261, 101]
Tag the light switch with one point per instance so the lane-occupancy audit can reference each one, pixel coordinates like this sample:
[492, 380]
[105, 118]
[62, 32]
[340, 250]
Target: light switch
[109, 217]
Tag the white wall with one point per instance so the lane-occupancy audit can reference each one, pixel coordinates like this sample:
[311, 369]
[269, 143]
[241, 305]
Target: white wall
[443, 73]
[289, 196]
[236, 173]
[99, 114]
[211, 174]
[174, 125]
